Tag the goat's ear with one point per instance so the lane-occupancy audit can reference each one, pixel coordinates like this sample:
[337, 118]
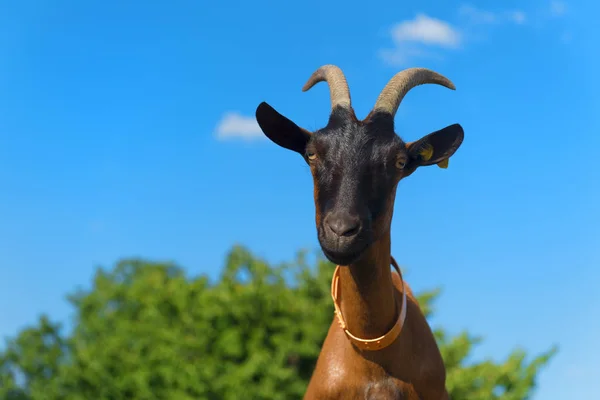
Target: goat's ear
[281, 130]
[437, 147]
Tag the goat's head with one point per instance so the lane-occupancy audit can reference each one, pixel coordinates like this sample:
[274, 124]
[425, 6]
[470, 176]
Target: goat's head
[356, 165]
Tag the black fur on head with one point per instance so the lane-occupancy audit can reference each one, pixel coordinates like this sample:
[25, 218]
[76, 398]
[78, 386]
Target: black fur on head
[356, 165]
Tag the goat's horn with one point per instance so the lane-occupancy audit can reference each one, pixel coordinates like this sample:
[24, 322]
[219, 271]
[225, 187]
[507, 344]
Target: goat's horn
[338, 87]
[395, 90]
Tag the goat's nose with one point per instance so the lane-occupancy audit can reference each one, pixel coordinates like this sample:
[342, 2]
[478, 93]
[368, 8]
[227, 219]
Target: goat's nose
[343, 224]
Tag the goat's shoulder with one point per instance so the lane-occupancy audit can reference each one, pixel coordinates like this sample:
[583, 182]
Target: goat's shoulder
[389, 389]
[383, 388]
[420, 349]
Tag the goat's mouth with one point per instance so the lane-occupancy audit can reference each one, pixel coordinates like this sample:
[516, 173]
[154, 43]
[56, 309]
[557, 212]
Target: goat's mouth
[344, 257]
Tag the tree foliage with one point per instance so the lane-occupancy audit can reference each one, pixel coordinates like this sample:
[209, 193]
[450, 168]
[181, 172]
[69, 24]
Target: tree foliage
[147, 331]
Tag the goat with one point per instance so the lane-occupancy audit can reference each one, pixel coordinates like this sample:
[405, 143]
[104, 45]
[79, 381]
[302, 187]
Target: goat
[383, 346]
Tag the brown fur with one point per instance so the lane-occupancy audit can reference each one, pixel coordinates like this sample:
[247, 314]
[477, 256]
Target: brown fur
[410, 369]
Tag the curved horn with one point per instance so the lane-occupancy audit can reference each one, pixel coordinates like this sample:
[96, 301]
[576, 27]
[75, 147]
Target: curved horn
[395, 90]
[338, 87]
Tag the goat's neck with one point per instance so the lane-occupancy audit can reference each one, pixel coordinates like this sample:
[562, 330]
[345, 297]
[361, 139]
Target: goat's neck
[367, 292]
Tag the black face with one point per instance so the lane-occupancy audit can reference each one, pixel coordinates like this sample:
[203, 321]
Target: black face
[356, 167]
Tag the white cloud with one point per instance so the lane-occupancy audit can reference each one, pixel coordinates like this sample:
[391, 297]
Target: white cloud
[557, 8]
[236, 126]
[428, 37]
[484, 17]
[477, 16]
[420, 38]
[426, 30]
[401, 55]
[518, 17]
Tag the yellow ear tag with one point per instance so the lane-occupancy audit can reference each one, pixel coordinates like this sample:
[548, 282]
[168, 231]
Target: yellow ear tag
[426, 151]
[443, 163]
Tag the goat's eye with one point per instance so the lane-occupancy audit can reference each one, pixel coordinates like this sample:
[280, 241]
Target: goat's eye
[311, 156]
[400, 163]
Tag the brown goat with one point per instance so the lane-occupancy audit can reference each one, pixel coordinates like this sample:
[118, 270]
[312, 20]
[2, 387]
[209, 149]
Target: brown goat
[381, 346]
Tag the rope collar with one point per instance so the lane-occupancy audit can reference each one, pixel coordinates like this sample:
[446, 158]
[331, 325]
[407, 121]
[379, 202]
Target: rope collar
[369, 344]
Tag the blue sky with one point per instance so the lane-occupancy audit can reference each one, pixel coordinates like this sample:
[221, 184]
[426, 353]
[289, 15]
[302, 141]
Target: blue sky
[126, 129]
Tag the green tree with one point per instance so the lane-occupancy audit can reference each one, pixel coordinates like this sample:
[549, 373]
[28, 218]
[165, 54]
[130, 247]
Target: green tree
[147, 331]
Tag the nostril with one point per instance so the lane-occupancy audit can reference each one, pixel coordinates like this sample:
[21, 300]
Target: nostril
[350, 230]
[343, 226]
